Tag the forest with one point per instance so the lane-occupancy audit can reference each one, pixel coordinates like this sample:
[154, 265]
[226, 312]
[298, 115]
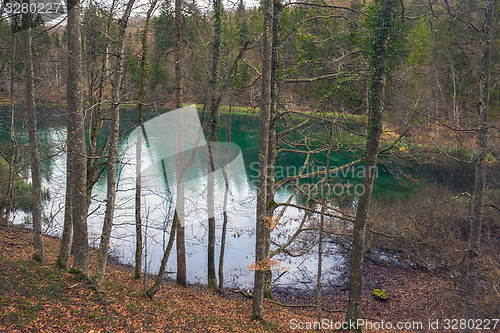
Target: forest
[299, 165]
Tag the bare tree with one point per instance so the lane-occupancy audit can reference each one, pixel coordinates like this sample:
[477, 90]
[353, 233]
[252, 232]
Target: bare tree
[180, 243]
[214, 118]
[226, 173]
[76, 140]
[67, 235]
[114, 133]
[263, 224]
[321, 226]
[474, 250]
[33, 139]
[376, 107]
[140, 120]
[166, 254]
[14, 156]
[273, 136]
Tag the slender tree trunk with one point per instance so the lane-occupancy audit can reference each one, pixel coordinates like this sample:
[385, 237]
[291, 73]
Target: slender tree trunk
[93, 172]
[474, 248]
[33, 141]
[181, 249]
[15, 148]
[138, 219]
[67, 236]
[226, 172]
[214, 118]
[273, 139]
[321, 225]
[263, 224]
[76, 146]
[178, 53]
[114, 132]
[376, 107]
[166, 254]
[140, 120]
[180, 242]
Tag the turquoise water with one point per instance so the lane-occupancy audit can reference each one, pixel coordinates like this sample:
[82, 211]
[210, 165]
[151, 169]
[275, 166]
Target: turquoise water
[158, 207]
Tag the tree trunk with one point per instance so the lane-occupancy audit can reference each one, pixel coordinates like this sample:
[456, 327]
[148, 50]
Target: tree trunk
[214, 110]
[474, 249]
[138, 219]
[93, 172]
[226, 192]
[263, 223]
[33, 141]
[376, 107]
[67, 236]
[15, 147]
[178, 53]
[321, 225]
[273, 139]
[166, 254]
[76, 146]
[113, 135]
[140, 120]
[180, 242]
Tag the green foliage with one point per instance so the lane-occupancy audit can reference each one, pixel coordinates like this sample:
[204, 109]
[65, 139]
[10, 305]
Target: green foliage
[419, 41]
[23, 196]
[4, 176]
[23, 191]
[164, 29]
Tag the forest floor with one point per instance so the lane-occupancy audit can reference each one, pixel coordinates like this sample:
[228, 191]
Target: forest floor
[38, 297]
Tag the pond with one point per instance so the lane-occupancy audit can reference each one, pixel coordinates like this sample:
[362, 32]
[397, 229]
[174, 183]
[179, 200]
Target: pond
[158, 204]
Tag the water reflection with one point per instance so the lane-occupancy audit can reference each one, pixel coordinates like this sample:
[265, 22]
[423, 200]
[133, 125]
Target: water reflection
[157, 212]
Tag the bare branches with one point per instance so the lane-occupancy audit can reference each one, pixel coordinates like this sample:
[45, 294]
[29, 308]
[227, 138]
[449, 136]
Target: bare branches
[448, 8]
[340, 217]
[318, 78]
[316, 173]
[321, 17]
[325, 5]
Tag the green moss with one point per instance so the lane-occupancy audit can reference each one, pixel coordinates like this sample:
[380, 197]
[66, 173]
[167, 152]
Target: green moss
[380, 294]
[268, 296]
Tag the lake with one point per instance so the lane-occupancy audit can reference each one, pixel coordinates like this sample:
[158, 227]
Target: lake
[158, 205]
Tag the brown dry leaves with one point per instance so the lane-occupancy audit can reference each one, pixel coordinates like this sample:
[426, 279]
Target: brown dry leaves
[42, 298]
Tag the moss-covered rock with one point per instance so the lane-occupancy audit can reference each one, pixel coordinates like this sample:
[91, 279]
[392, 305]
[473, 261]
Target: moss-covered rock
[380, 294]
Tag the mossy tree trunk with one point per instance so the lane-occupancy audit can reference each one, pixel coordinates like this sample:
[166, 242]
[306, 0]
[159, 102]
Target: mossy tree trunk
[378, 75]
[76, 142]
